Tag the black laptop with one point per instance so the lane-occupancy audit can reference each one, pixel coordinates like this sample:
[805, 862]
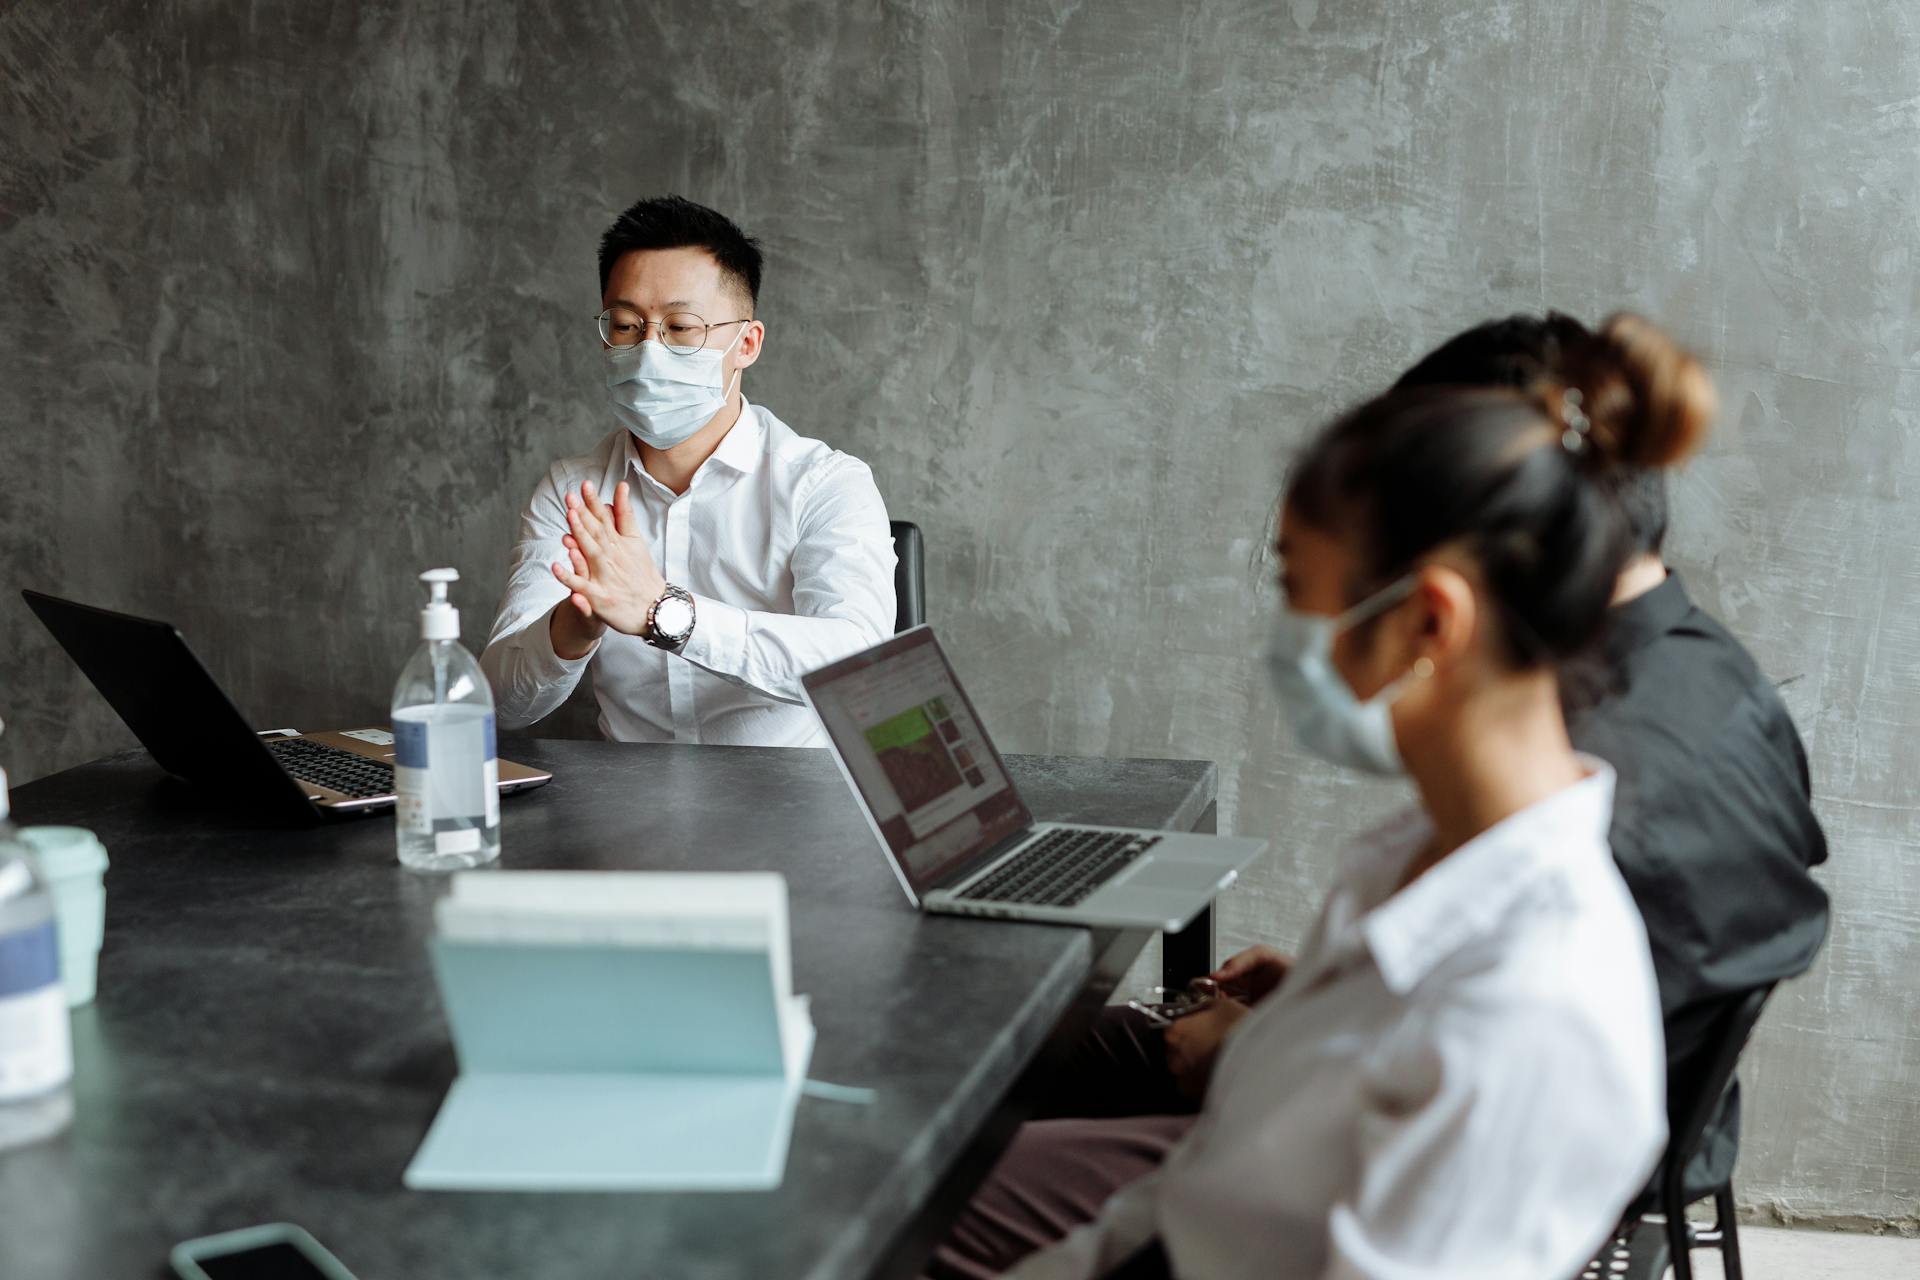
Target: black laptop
[145, 670]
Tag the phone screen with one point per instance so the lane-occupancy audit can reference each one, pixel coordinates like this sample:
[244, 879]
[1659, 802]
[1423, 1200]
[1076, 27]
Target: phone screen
[277, 1261]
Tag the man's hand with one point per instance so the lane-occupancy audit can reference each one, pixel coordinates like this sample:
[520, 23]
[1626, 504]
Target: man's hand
[1193, 1044]
[1253, 974]
[573, 636]
[610, 570]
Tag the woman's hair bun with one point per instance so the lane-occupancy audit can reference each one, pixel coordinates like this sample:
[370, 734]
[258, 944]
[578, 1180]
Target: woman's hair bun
[1649, 401]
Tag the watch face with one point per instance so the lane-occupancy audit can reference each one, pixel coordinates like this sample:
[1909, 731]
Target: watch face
[672, 617]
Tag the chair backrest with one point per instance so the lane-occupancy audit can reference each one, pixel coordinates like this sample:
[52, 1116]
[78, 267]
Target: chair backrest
[909, 576]
[1694, 1096]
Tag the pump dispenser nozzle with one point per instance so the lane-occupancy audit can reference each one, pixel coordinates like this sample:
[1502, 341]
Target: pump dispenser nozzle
[439, 620]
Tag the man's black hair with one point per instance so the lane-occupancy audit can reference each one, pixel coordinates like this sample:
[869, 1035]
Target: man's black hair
[1518, 351]
[674, 222]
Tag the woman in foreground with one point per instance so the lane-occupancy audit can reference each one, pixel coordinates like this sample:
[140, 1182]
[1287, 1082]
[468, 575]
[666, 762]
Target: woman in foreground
[1461, 1074]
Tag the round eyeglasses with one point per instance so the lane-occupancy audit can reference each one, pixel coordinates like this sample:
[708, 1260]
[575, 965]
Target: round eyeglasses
[681, 332]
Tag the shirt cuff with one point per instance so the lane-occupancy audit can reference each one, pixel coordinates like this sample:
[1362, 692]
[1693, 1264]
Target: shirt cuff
[719, 640]
[536, 641]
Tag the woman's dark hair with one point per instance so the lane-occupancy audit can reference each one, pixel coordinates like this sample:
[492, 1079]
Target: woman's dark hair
[1489, 469]
[1518, 351]
[1513, 351]
[674, 222]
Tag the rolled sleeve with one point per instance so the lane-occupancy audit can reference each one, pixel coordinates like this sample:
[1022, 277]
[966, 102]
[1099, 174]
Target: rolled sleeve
[719, 639]
[532, 644]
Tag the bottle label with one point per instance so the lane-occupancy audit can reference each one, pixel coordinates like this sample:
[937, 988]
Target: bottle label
[36, 1047]
[491, 779]
[410, 777]
[445, 806]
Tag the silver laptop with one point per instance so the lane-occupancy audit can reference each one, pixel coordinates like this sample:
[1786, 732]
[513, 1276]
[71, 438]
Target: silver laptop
[955, 829]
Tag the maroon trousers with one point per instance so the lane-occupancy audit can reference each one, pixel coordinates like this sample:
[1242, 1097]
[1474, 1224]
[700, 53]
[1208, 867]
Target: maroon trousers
[1112, 1119]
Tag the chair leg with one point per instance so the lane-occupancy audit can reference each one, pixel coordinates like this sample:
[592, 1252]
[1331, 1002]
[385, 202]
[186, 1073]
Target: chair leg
[1729, 1231]
[1679, 1245]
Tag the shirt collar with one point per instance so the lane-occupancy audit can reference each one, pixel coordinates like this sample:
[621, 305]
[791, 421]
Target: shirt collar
[741, 449]
[1469, 893]
[1646, 618]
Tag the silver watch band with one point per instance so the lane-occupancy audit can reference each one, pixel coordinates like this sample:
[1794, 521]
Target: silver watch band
[678, 641]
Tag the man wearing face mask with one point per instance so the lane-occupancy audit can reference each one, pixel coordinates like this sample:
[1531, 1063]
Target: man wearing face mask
[703, 555]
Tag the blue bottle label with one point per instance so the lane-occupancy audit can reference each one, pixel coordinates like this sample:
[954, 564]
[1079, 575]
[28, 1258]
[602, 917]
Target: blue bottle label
[410, 744]
[29, 959]
[424, 802]
[36, 1048]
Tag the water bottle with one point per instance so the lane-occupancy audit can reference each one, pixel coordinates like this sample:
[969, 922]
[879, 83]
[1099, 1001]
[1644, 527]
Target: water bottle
[445, 775]
[36, 1046]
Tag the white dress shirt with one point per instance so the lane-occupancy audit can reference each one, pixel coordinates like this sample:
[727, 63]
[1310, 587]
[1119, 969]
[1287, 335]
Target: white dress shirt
[783, 544]
[1461, 1079]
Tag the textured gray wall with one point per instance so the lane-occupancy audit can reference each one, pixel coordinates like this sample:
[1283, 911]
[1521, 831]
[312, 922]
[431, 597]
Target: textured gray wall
[297, 304]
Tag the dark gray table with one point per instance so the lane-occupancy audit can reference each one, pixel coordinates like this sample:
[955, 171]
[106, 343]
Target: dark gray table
[268, 1042]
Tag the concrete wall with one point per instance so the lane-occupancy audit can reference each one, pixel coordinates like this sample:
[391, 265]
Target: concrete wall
[297, 304]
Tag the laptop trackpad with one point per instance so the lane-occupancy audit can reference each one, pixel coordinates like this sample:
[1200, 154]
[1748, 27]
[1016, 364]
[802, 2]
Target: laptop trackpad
[1155, 873]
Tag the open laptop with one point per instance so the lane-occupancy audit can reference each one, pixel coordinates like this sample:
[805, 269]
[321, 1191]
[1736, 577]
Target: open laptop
[954, 827]
[182, 717]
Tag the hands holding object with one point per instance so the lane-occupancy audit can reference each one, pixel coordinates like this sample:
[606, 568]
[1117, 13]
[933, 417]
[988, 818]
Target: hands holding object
[1197, 1018]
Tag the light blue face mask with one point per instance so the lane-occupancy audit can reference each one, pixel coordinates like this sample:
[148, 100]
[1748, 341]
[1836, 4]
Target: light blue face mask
[665, 398]
[1325, 716]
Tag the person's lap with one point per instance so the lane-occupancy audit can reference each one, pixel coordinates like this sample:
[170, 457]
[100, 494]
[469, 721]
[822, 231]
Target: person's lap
[1114, 1117]
[1119, 1068]
[1054, 1177]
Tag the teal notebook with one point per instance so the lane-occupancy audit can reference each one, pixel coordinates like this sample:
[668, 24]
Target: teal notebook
[616, 1032]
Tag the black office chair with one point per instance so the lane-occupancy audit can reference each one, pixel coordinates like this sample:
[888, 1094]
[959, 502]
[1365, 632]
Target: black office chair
[909, 576]
[1641, 1250]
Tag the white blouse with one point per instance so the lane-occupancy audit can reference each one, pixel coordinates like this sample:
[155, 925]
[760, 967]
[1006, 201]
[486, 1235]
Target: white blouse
[1464, 1078]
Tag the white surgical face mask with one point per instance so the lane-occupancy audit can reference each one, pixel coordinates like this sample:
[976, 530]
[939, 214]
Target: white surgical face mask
[1326, 717]
[664, 398]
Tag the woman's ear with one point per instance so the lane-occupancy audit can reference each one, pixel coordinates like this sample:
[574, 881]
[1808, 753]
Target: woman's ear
[1448, 615]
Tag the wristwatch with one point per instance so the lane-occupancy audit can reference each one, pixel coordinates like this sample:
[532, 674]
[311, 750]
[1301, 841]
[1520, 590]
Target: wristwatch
[670, 620]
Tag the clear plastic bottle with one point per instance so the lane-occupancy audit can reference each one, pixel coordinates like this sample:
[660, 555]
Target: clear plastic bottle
[446, 775]
[36, 1045]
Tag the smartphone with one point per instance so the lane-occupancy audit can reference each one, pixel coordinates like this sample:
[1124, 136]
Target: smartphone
[276, 1251]
[1165, 1006]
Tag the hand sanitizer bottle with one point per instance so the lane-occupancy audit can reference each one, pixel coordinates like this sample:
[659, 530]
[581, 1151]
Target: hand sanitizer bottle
[445, 773]
[36, 1046]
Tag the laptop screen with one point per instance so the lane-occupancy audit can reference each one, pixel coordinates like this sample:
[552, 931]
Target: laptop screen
[918, 755]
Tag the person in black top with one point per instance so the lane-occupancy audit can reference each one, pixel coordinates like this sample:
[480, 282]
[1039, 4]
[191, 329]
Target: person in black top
[1712, 827]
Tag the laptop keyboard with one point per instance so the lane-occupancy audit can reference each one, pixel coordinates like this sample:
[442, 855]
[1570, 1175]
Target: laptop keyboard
[1062, 867]
[330, 767]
